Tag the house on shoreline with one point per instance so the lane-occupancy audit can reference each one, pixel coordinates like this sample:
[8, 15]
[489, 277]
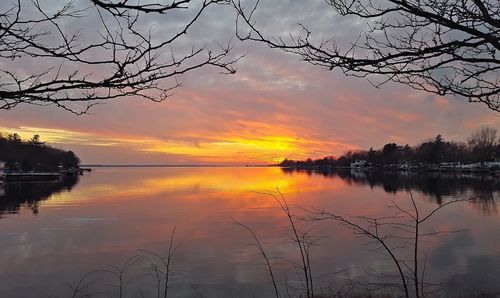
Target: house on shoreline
[358, 164]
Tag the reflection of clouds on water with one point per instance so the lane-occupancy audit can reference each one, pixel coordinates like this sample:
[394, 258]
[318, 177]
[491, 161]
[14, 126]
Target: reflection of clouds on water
[481, 275]
[449, 251]
[112, 213]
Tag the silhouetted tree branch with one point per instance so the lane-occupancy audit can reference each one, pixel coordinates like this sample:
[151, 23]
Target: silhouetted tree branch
[118, 273]
[264, 255]
[302, 239]
[157, 266]
[439, 46]
[393, 233]
[162, 265]
[117, 54]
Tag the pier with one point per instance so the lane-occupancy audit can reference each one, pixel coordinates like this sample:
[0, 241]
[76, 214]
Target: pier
[32, 176]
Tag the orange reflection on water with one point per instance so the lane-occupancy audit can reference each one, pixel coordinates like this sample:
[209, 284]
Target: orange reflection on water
[112, 212]
[155, 181]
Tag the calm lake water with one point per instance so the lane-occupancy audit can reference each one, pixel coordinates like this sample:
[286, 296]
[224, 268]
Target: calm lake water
[53, 233]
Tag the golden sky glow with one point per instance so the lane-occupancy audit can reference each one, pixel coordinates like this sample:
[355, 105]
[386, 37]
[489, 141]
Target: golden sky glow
[266, 148]
[60, 136]
[232, 137]
[275, 107]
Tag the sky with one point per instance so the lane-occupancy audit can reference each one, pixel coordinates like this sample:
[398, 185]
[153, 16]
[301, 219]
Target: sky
[274, 107]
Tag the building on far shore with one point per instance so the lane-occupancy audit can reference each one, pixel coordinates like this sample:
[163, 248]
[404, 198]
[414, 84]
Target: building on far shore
[358, 164]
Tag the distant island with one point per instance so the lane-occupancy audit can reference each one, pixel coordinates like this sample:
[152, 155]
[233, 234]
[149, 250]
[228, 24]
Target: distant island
[481, 152]
[34, 155]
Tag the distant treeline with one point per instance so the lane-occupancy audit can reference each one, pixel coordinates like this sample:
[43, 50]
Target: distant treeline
[481, 146]
[33, 154]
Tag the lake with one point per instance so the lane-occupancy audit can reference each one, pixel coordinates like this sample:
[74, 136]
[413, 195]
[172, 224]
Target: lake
[53, 233]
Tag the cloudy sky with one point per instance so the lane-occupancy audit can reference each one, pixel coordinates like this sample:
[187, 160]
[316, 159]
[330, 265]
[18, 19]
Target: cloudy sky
[274, 107]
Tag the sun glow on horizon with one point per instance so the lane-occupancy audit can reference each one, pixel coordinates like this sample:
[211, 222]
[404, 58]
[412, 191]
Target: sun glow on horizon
[263, 149]
[254, 145]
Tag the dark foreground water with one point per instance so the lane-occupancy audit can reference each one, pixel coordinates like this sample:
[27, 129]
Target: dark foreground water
[53, 233]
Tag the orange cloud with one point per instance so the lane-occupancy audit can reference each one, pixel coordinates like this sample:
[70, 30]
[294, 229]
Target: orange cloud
[242, 142]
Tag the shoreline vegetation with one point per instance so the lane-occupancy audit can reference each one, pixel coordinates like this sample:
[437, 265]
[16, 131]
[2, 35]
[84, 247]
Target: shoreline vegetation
[480, 154]
[33, 160]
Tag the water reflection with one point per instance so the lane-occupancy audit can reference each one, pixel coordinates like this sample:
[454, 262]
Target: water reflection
[111, 213]
[484, 189]
[28, 195]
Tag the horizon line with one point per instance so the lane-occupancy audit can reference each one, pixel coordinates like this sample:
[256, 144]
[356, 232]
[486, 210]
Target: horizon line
[92, 165]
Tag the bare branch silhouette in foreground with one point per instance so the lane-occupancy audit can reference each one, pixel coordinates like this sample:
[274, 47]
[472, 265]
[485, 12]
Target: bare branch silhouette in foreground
[301, 239]
[161, 266]
[84, 286]
[147, 264]
[264, 255]
[75, 55]
[398, 236]
[391, 235]
[438, 46]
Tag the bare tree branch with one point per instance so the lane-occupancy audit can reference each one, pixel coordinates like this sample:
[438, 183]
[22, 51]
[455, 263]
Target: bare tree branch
[438, 46]
[389, 235]
[264, 255]
[120, 55]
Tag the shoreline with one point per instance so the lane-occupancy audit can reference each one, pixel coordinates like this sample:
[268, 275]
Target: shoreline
[489, 171]
[92, 166]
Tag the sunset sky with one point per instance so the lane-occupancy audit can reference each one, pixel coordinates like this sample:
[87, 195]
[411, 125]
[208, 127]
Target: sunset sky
[274, 107]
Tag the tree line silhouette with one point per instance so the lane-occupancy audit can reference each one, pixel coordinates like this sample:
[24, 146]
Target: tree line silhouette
[481, 146]
[33, 154]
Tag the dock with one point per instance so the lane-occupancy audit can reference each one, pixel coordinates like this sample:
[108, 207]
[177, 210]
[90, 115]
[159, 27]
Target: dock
[32, 176]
